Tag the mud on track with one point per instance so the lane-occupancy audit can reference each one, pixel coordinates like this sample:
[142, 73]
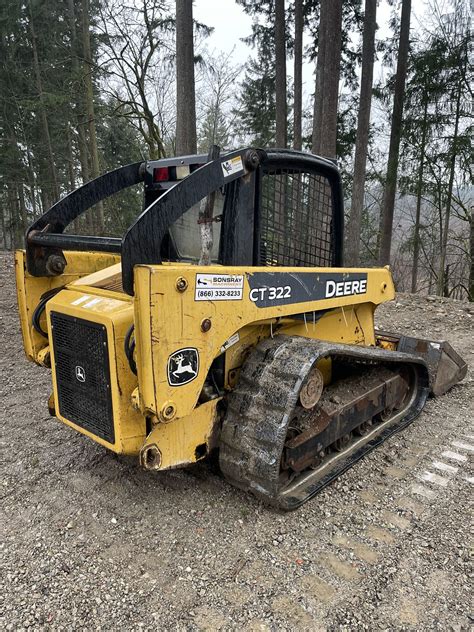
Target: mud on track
[91, 542]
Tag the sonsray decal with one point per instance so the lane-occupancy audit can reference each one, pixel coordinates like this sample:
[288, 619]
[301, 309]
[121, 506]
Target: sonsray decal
[284, 288]
[219, 287]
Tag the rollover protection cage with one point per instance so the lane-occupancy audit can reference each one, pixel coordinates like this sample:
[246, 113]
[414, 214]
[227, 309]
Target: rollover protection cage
[279, 207]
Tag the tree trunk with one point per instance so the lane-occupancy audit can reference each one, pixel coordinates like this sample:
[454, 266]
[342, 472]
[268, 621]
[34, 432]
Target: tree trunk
[298, 79]
[327, 79]
[17, 176]
[85, 173]
[362, 138]
[388, 203]
[318, 92]
[94, 152]
[12, 203]
[80, 105]
[449, 198]
[22, 207]
[419, 190]
[471, 253]
[446, 282]
[12, 218]
[32, 182]
[71, 175]
[280, 74]
[185, 90]
[50, 169]
[4, 226]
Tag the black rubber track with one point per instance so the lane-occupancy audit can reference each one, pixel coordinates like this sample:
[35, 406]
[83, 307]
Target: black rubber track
[261, 406]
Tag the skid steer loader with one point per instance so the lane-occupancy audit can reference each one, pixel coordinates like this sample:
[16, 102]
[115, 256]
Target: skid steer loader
[223, 324]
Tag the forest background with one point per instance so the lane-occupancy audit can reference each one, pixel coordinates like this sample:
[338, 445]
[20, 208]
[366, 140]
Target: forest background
[90, 85]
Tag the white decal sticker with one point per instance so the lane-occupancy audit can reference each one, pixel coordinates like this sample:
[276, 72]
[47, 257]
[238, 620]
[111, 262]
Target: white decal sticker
[91, 303]
[345, 288]
[80, 300]
[270, 293]
[232, 166]
[230, 342]
[219, 287]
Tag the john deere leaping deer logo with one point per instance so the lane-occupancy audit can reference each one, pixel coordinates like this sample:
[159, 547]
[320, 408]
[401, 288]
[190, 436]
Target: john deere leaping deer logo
[183, 366]
[80, 373]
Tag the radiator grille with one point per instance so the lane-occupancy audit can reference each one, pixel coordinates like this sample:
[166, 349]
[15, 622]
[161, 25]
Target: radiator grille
[296, 212]
[83, 374]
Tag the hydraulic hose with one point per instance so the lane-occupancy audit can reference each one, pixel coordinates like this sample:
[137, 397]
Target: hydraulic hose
[39, 309]
[129, 346]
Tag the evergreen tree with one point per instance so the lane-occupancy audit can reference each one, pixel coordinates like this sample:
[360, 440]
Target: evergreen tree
[256, 113]
[121, 144]
[256, 110]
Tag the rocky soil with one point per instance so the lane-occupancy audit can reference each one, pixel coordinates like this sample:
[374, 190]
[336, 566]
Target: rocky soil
[91, 542]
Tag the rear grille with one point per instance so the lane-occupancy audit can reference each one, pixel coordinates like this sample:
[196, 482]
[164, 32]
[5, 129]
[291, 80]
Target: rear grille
[83, 374]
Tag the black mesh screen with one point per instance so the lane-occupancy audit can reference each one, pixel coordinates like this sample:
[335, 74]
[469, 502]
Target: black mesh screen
[83, 374]
[296, 219]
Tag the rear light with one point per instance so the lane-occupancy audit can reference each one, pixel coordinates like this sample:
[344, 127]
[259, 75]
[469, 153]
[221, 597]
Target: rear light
[182, 171]
[173, 172]
[161, 174]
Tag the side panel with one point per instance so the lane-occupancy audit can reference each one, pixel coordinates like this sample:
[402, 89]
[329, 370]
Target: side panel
[184, 318]
[30, 289]
[350, 325]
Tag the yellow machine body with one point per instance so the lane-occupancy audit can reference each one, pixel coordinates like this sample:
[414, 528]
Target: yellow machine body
[265, 358]
[31, 288]
[173, 425]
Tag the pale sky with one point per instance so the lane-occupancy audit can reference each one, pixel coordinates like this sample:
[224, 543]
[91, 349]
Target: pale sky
[231, 24]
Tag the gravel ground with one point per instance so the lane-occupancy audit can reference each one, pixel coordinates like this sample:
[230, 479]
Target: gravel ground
[89, 541]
